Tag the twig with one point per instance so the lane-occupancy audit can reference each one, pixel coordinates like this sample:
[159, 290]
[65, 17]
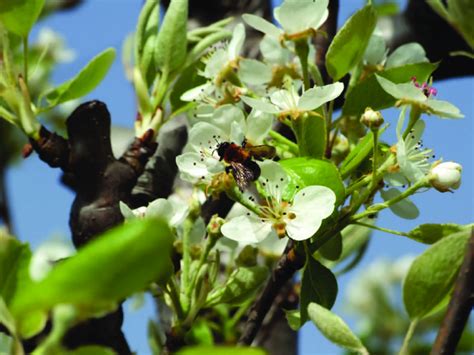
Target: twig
[459, 307]
[286, 267]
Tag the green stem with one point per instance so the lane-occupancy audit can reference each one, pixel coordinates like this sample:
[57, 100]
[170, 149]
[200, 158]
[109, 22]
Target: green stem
[374, 158]
[358, 184]
[293, 147]
[174, 296]
[187, 226]
[408, 336]
[240, 313]
[316, 74]
[302, 50]
[380, 206]
[25, 58]
[386, 230]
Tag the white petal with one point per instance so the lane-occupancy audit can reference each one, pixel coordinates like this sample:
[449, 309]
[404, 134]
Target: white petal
[296, 16]
[284, 99]
[126, 211]
[197, 92]
[311, 205]
[246, 229]
[204, 137]
[317, 96]
[258, 125]
[260, 105]
[225, 116]
[160, 207]
[192, 165]
[237, 41]
[273, 178]
[237, 134]
[262, 25]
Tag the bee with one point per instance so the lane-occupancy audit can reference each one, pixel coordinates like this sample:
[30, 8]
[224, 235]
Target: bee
[241, 160]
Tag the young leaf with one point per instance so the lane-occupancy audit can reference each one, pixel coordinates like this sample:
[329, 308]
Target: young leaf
[171, 42]
[348, 46]
[318, 285]
[6, 319]
[357, 155]
[430, 233]
[240, 285]
[408, 53]
[335, 329]
[404, 209]
[145, 39]
[304, 171]
[90, 350]
[294, 319]
[85, 81]
[19, 16]
[432, 274]
[220, 350]
[121, 262]
[369, 93]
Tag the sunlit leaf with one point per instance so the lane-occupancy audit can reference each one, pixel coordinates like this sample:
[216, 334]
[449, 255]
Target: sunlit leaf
[19, 16]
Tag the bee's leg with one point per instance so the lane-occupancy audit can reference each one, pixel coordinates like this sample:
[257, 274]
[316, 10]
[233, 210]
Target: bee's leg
[244, 142]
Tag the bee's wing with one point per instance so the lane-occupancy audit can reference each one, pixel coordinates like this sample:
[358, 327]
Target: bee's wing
[244, 174]
[261, 151]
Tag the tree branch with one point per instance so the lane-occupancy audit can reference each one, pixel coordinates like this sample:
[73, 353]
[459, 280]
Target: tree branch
[286, 267]
[459, 307]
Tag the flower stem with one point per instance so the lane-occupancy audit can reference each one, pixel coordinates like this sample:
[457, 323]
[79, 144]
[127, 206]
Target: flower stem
[25, 58]
[293, 147]
[374, 158]
[386, 230]
[174, 296]
[408, 336]
[237, 196]
[187, 226]
[302, 50]
[380, 206]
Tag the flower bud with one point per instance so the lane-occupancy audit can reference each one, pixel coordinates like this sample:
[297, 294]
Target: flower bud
[372, 119]
[446, 176]
[214, 226]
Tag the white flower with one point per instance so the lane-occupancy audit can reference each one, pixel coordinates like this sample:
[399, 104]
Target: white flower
[446, 176]
[221, 59]
[288, 102]
[172, 210]
[412, 157]
[200, 161]
[46, 255]
[299, 218]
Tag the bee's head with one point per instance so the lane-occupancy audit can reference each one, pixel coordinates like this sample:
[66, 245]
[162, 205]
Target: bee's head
[221, 148]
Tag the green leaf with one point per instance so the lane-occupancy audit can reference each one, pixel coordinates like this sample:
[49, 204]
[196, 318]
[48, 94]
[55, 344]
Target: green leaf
[334, 328]
[408, 53]
[145, 39]
[254, 72]
[432, 274]
[376, 50]
[172, 42]
[353, 237]
[110, 268]
[332, 249]
[294, 319]
[240, 285]
[19, 16]
[90, 350]
[305, 171]
[318, 285]
[85, 81]
[6, 319]
[404, 209]
[310, 131]
[200, 333]
[461, 13]
[350, 42]
[220, 350]
[369, 92]
[430, 233]
[32, 324]
[357, 155]
[14, 261]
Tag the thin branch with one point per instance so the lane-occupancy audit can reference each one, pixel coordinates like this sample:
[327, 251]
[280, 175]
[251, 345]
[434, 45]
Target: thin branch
[459, 307]
[286, 267]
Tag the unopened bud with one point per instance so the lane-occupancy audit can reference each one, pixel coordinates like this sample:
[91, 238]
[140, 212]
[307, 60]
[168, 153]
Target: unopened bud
[214, 226]
[446, 176]
[372, 119]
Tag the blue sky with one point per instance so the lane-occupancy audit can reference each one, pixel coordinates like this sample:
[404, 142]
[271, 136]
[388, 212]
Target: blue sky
[41, 205]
